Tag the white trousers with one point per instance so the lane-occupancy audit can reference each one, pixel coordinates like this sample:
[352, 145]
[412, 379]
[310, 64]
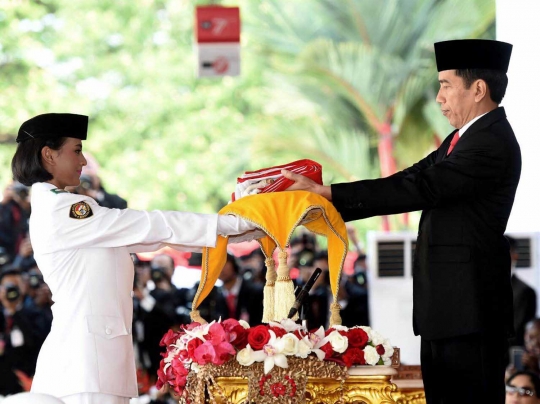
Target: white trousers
[94, 398]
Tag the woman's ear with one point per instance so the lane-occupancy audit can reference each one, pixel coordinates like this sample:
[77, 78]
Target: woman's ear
[46, 155]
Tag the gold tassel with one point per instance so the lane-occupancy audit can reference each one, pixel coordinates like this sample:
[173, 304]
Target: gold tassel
[268, 301]
[335, 318]
[196, 317]
[284, 290]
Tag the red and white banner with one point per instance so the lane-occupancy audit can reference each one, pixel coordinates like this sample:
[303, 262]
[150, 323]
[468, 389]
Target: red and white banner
[217, 33]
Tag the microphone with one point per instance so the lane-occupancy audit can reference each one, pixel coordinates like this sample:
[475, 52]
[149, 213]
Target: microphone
[304, 292]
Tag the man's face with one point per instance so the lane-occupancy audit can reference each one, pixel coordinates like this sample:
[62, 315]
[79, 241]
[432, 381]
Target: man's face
[227, 273]
[457, 102]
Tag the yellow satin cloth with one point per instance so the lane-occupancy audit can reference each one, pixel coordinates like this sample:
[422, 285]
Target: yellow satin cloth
[278, 214]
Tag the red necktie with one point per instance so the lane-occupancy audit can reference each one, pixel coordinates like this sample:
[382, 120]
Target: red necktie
[453, 143]
[231, 305]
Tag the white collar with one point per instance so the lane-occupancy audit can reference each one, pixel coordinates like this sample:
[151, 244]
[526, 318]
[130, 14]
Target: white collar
[468, 124]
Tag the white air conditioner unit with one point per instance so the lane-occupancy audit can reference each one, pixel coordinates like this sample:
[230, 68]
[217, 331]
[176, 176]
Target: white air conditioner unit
[390, 260]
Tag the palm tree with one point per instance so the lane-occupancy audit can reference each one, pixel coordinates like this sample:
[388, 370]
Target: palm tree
[360, 68]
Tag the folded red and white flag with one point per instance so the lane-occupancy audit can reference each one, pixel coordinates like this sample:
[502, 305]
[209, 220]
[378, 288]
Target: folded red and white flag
[271, 180]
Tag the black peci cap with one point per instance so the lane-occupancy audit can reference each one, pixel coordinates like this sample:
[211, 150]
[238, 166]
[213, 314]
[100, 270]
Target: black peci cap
[473, 54]
[51, 126]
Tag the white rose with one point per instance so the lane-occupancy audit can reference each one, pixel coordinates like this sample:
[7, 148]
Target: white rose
[245, 357]
[388, 350]
[304, 349]
[244, 324]
[387, 362]
[370, 355]
[288, 344]
[339, 342]
[376, 338]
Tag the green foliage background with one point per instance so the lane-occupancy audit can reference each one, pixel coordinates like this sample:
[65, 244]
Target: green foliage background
[168, 140]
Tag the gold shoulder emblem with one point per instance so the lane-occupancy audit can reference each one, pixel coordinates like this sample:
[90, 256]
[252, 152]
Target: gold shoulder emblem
[80, 210]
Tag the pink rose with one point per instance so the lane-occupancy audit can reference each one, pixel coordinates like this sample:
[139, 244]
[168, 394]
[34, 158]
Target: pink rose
[216, 334]
[169, 338]
[192, 346]
[205, 353]
[224, 352]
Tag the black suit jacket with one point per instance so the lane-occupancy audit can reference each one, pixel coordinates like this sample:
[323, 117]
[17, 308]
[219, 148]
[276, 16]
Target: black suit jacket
[250, 301]
[462, 263]
[524, 308]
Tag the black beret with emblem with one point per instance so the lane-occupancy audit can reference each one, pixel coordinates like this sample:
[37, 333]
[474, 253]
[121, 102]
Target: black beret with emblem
[473, 54]
[49, 126]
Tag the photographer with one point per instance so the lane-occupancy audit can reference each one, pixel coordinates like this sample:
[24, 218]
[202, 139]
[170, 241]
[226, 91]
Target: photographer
[91, 186]
[14, 214]
[22, 333]
[171, 299]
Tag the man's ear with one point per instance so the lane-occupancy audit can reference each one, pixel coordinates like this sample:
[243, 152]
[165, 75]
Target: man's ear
[47, 155]
[481, 90]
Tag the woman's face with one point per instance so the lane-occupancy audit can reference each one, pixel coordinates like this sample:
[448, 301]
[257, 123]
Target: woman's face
[523, 382]
[68, 163]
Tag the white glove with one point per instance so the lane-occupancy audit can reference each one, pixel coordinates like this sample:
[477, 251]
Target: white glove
[230, 225]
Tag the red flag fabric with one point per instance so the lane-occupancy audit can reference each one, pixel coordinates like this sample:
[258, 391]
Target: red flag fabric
[271, 180]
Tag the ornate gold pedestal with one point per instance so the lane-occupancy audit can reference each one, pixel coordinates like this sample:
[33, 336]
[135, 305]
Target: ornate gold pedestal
[317, 382]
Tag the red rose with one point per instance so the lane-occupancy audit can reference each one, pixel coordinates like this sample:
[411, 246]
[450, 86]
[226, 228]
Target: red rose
[380, 349]
[327, 349]
[358, 338]
[237, 334]
[258, 337]
[354, 356]
[280, 332]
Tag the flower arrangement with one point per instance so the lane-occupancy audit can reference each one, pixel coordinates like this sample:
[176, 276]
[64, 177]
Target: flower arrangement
[216, 343]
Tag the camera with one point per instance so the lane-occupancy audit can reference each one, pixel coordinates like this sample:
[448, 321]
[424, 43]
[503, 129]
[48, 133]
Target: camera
[35, 280]
[12, 292]
[157, 273]
[86, 182]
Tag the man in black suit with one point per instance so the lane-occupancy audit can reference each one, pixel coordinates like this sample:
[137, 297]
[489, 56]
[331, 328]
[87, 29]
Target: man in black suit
[462, 294]
[243, 298]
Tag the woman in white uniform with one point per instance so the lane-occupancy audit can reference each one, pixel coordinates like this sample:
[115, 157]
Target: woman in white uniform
[83, 250]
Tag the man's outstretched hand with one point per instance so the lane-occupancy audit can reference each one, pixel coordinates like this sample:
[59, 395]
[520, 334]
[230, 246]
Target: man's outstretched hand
[302, 183]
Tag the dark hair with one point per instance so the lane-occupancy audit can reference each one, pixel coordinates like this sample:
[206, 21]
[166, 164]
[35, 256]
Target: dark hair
[533, 377]
[496, 81]
[26, 166]
[234, 262]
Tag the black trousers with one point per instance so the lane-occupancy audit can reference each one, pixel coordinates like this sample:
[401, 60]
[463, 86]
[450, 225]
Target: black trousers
[468, 369]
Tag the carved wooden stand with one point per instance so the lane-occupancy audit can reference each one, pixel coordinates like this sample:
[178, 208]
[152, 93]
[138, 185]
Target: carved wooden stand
[305, 381]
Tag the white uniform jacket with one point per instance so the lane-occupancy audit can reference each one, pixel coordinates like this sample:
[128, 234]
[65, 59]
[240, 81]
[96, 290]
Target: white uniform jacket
[82, 250]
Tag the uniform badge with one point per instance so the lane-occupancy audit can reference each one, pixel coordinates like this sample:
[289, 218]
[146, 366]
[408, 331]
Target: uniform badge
[80, 210]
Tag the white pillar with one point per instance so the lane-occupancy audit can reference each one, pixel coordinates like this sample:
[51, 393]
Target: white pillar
[518, 24]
